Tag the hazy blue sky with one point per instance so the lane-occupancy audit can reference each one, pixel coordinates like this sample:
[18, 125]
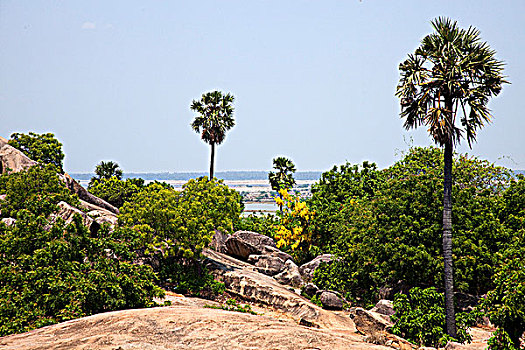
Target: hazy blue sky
[313, 80]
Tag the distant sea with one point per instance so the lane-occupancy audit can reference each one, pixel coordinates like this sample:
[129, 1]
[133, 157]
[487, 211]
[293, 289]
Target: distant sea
[225, 175]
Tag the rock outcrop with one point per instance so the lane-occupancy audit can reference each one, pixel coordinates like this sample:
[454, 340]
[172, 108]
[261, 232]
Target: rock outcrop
[185, 325]
[242, 279]
[290, 275]
[330, 300]
[12, 159]
[84, 195]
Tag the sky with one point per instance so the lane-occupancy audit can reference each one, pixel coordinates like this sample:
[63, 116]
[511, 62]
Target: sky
[313, 81]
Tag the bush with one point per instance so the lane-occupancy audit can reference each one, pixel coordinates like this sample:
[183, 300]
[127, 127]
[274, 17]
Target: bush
[182, 223]
[420, 318]
[43, 148]
[392, 236]
[37, 189]
[114, 190]
[52, 275]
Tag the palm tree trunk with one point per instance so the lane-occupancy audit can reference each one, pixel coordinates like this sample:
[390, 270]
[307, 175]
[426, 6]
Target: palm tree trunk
[447, 241]
[212, 160]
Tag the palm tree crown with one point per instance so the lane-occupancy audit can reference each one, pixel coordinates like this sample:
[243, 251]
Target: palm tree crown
[106, 170]
[215, 116]
[452, 69]
[283, 178]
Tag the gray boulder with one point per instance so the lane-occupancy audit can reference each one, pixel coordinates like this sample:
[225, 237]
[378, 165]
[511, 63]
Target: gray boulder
[310, 289]
[242, 244]
[12, 159]
[267, 264]
[384, 307]
[307, 270]
[330, 300]
[290, 275]
[369, 320]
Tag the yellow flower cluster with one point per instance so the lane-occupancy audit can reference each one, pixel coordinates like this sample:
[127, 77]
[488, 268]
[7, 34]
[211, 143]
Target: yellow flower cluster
[295, 219]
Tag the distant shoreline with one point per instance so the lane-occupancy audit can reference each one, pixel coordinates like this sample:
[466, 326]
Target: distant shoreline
[224, 175]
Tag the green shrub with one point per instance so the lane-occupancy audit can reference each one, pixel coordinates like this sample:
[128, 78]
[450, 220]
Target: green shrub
[114, 190]
[182, 223]
[43, 148]
[49, 276]
[233, 305]
[37, 189]
[392, 235]
[420, 318]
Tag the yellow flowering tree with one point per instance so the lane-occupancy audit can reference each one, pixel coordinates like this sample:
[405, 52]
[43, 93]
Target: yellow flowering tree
[293, 232]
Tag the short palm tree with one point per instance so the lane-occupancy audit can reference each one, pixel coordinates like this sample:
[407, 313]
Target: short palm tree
[215, 117]
[283, 178]
[106, 170]
[446, 85]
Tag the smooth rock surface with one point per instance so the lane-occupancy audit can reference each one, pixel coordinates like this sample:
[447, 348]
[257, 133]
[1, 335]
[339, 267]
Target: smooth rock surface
[184, 326]
[241, 279]
[13, 159]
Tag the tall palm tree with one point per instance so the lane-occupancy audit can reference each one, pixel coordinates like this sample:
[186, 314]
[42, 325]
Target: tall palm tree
[215, 117]
[452, 70]
[283, 178]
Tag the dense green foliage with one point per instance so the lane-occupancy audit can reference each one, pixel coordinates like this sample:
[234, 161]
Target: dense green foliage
[115, 191]
[504, 305]
[51, 273]
[182, 222]
[263, 224]
[420, 318]
[43, 148]
[391, 234]
[37, 189]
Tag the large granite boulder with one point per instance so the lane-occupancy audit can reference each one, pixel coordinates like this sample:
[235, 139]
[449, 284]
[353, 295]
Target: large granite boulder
[330, 300]
[100, 215]
[242, 244]
[11, 159]
[84, 195]
[307, 270]
[8, 221]
[15, 160]
[290, 275]
[369, 320]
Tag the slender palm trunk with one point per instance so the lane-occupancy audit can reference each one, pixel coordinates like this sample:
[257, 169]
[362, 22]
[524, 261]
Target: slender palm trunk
[447, 241]
[212, 160]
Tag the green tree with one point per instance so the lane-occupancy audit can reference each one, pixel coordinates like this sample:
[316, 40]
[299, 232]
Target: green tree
[51, 273]
[452, 70]
[106, 170]
[182, 222]
[44, 148]
[389, 239]
[115, 191]
[215, 117]
[283, 178]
